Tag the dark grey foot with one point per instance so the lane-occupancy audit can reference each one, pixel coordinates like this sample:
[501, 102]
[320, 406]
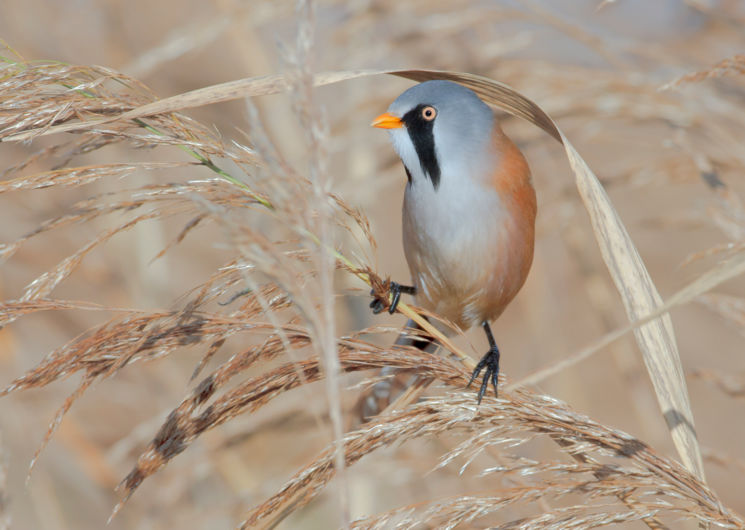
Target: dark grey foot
[378, 304]
[489, 363]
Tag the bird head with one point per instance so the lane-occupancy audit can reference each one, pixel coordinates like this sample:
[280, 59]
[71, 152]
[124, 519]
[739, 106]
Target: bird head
[439, 128]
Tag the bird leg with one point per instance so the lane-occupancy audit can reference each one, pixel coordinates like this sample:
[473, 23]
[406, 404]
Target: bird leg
[490, 361]
[378, 304]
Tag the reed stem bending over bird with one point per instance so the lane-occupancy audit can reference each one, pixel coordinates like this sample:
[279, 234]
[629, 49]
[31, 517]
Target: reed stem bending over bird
[469, 209]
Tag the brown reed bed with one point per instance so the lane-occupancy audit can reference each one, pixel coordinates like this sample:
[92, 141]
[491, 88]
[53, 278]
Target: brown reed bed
[268, 336]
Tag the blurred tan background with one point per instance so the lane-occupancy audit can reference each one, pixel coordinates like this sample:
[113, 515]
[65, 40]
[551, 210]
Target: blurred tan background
[596, 67]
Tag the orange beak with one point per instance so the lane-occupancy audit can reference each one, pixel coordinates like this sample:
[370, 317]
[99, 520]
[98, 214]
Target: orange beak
[387, 121]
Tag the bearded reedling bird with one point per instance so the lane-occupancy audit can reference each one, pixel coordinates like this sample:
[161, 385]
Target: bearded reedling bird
[469, 210]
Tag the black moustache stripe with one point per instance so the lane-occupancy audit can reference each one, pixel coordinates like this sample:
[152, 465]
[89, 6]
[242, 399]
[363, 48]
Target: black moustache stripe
[420, 132]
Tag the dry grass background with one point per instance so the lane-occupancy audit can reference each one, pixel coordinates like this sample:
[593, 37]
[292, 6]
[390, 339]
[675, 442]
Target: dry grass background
[650, 95]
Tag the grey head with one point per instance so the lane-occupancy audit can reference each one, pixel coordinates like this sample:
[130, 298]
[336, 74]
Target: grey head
[452, 141]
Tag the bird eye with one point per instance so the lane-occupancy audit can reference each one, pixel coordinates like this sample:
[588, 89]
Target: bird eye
[429, 113]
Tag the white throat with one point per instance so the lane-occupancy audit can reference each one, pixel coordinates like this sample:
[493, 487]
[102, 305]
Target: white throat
[407, 153]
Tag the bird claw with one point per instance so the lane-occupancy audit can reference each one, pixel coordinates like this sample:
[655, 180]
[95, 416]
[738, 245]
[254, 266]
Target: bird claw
[378, 304]
[490, 361]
